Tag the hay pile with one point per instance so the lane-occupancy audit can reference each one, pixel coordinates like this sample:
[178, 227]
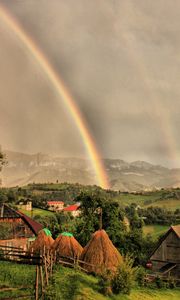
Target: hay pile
[43, 242]
[101, 254]
[66, 245]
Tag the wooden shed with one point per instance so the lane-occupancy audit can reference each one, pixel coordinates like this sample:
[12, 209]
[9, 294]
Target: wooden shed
[16, 228]
[166, 257]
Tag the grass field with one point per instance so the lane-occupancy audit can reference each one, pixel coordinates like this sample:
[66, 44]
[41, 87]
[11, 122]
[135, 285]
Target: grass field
[37, 211]
[20, 278]
[149, 199]
[68, 284]
[155, 230]
[169, 204]
[71, 284]
[141, 200]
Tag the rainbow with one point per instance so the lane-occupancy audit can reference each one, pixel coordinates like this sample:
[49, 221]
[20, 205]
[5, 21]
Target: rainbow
[159, 112]
[62, 92]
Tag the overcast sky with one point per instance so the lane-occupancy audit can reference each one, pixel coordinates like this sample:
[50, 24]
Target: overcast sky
[120, 61]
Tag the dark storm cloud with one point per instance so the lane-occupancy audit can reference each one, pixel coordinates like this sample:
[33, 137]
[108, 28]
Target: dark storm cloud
[120, 60]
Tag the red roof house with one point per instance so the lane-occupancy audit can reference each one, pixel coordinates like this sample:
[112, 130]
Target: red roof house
[74, 209]
[55, 205]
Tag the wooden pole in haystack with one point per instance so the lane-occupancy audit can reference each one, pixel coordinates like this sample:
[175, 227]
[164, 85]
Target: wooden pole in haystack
[100, 218]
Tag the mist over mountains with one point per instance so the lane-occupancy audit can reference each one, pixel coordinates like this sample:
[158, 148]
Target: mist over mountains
[42, 168]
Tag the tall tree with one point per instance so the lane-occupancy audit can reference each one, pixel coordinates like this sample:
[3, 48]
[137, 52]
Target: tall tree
[96, 211]
[2, 160]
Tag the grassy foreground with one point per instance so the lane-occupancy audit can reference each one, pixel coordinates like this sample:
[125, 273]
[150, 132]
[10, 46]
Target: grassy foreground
[68, 284]
[16, 280]
[75, 285]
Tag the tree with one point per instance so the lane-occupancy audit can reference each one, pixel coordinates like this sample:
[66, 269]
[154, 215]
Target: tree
[89, 221]
[2, 160]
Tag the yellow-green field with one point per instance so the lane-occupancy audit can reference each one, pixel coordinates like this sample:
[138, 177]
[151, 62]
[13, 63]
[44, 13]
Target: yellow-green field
[155, 230]
[151, 294]
[169, 204]
[37, 211]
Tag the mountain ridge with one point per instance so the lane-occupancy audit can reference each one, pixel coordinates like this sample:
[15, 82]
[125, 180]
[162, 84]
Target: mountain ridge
[23, 168]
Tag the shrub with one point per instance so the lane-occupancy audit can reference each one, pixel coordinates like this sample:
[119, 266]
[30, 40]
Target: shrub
[105, 283]
[124, 278]
[141, 276]
[171, 283]
[160, 284]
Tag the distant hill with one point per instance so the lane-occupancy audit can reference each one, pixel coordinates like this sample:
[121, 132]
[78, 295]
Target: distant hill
[40, 168]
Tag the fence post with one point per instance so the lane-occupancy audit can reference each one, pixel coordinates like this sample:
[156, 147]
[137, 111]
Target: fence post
[42, 281]
[37, 283]
[46, 271]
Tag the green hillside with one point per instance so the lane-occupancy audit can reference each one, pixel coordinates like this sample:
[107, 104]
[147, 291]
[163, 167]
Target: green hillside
[168, 199]
[68, 284]
[75, 285]
[39, 194]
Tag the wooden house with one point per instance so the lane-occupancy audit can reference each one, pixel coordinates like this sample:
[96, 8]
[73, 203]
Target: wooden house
[166, 257]
[16, 229]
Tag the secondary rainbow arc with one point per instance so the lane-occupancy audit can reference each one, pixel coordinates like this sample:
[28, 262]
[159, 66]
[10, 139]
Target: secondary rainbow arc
[64, 94]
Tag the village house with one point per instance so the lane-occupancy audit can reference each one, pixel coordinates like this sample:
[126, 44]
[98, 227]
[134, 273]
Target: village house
[55, 205]
[16, 229]
[73, 209]
[25, 206]
[166, 257]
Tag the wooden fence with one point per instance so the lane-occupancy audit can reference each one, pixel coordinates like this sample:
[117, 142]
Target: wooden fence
[44, 263]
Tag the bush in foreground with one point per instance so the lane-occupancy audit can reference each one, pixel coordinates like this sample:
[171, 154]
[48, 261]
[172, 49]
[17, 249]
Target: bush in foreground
[124, 279]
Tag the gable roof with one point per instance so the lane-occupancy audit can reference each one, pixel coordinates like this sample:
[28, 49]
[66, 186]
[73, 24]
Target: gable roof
[8, 212]
[175, 229]
[72, 207]
[35, 226]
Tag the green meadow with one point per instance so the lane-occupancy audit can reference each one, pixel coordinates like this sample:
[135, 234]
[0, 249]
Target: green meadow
[75, 285]
[18, 280]
[37, 211]
[155, 230]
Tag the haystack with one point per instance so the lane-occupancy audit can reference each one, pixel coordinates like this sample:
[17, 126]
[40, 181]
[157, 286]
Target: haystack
[66, 245]
[43, 242]
[101, 254]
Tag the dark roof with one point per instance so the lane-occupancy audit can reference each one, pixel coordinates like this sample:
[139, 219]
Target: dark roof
[35, 226]
[8, 212]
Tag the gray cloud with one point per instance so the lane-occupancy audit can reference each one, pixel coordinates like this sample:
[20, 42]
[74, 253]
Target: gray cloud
[119, 59]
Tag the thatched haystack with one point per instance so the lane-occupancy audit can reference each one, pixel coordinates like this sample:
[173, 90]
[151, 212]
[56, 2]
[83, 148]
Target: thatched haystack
[101, 254]
[66, 245]
[43, 242]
